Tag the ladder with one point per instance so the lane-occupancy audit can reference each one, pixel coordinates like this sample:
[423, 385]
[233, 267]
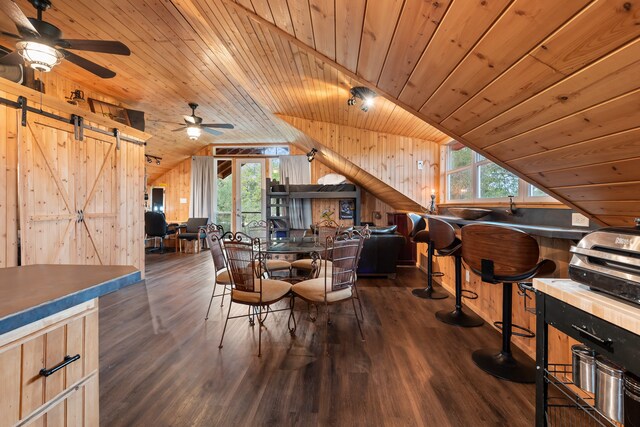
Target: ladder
[278, 210]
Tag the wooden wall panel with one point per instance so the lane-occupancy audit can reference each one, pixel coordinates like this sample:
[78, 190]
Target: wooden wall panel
[63, 180]
[177, 185]
[390, 158]
[8, 186]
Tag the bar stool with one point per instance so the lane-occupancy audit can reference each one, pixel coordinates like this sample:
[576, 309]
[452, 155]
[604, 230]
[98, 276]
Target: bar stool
[503, 255]
[420, 235]
[445, 242]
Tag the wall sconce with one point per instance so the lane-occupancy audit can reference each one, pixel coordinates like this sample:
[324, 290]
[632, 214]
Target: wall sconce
[151, 159]
[76, 97]
[311, 155]
[364, 94]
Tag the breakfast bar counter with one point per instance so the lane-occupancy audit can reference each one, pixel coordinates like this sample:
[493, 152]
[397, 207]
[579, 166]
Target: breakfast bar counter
[49, 341]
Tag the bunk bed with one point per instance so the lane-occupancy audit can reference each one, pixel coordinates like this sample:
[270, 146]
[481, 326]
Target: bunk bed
[279, 195]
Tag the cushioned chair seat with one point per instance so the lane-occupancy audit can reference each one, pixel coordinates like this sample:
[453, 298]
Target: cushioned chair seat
[314, 289]
[305, 264]
[223, 277]
[272, 291]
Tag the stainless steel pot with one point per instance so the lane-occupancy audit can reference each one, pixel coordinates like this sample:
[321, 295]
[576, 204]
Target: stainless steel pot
[631, 401]
[609, 389]
[584, 367]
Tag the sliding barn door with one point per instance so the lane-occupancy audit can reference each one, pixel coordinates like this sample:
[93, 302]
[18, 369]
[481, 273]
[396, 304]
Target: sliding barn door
[81, 201]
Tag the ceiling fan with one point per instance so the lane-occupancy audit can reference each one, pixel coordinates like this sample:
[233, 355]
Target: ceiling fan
[41, 46]
[194, 126]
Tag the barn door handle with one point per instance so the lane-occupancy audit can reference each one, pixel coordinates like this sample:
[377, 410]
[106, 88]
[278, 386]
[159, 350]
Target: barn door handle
[67, 360]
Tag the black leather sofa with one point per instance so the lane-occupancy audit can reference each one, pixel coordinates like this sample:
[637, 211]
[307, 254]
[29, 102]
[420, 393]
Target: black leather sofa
[380, 252]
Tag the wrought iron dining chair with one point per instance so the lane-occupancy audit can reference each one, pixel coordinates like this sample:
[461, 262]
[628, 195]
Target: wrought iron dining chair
[247, 264]
[214, 236]
[259, 230]
[336, 284]
[321, 230]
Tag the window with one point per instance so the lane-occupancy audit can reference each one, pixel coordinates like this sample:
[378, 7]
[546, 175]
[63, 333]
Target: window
[472, 177]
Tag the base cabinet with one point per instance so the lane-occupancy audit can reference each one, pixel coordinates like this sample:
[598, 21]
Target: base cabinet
[49, 370]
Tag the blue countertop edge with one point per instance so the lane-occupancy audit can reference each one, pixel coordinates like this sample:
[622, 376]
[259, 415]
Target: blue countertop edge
[33, 314]
[536, 230]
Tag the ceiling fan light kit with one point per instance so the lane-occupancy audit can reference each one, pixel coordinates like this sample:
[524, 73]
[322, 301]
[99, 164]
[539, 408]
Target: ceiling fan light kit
[194, 132]
[39, 56]
[40, 44]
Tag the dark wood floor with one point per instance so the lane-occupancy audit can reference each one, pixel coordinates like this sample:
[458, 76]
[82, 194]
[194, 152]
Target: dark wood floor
[160, 364]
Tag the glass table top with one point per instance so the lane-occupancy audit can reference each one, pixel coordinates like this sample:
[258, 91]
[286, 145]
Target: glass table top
[298, 245]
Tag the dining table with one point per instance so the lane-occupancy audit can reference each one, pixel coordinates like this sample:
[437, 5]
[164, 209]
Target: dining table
[301, 246]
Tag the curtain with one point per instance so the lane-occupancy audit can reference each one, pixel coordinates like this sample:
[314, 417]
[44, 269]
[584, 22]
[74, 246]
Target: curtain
[202, 204]
[298, 170]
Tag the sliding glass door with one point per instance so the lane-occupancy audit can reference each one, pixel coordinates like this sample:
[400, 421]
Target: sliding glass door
[250, 192]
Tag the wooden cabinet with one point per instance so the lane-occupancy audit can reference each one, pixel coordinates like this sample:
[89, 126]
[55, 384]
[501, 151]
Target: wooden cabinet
[67, 397]
[408, 253]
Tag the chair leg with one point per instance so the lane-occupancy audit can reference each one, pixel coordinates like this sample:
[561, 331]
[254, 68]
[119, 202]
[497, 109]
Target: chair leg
[357, 320]
[224, 291]
[213, 294]
[355, 288]
[429, 292]
[260, 333]
[502, 364]
[457, 317]
[225, 324]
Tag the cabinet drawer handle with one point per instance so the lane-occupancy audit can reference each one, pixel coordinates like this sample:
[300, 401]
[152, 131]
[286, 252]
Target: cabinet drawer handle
[67, 360]
[584, 331]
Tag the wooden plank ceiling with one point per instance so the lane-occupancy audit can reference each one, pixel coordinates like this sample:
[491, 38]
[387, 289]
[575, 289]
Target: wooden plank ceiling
[548, 89]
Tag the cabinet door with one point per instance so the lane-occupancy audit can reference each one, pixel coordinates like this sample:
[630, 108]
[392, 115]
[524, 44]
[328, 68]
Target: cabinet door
[78, 408]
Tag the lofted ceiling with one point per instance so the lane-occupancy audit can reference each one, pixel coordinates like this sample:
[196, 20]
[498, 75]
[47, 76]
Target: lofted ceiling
[548, 89]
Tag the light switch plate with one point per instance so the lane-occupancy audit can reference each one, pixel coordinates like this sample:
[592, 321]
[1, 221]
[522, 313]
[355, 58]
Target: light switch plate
[579, 220]
[420, 164]
[183, 200]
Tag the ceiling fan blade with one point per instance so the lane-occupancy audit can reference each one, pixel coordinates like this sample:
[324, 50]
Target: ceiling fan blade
[13, 36]
[12, 58]
[102, 46]
[13, 11]
[92, 67]
[218, 125]
[212, 132]
[190, 119]
[179, 129]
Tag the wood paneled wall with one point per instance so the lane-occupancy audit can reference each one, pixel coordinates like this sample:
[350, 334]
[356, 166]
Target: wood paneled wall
[8, 186]
[392, 159]
[489, 302]
[79, 202]
[177, 185]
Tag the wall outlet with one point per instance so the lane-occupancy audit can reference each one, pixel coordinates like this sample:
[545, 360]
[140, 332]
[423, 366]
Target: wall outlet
[467, 276]
[579, 220]
[183, 200]
[420, 164]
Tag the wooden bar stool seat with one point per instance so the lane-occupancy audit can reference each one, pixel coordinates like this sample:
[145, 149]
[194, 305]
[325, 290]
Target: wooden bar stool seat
[503, 255]
[420, 235]
[444, 241]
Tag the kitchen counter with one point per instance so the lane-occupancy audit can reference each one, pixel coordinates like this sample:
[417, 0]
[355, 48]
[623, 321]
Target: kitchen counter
[535, 230]
[49, 341]
[30, 293]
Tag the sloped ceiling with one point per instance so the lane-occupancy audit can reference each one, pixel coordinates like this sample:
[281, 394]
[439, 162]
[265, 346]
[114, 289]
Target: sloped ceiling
[548, 89]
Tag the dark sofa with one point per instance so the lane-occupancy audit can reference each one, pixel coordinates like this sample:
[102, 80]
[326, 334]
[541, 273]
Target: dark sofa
[380, 252]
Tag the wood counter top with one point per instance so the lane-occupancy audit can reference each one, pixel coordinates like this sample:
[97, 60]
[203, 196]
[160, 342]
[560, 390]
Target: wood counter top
[624, 314]
[33, 292]
[535, 230]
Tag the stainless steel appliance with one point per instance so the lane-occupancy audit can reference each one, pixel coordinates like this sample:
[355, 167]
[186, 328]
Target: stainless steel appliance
[608, 260]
